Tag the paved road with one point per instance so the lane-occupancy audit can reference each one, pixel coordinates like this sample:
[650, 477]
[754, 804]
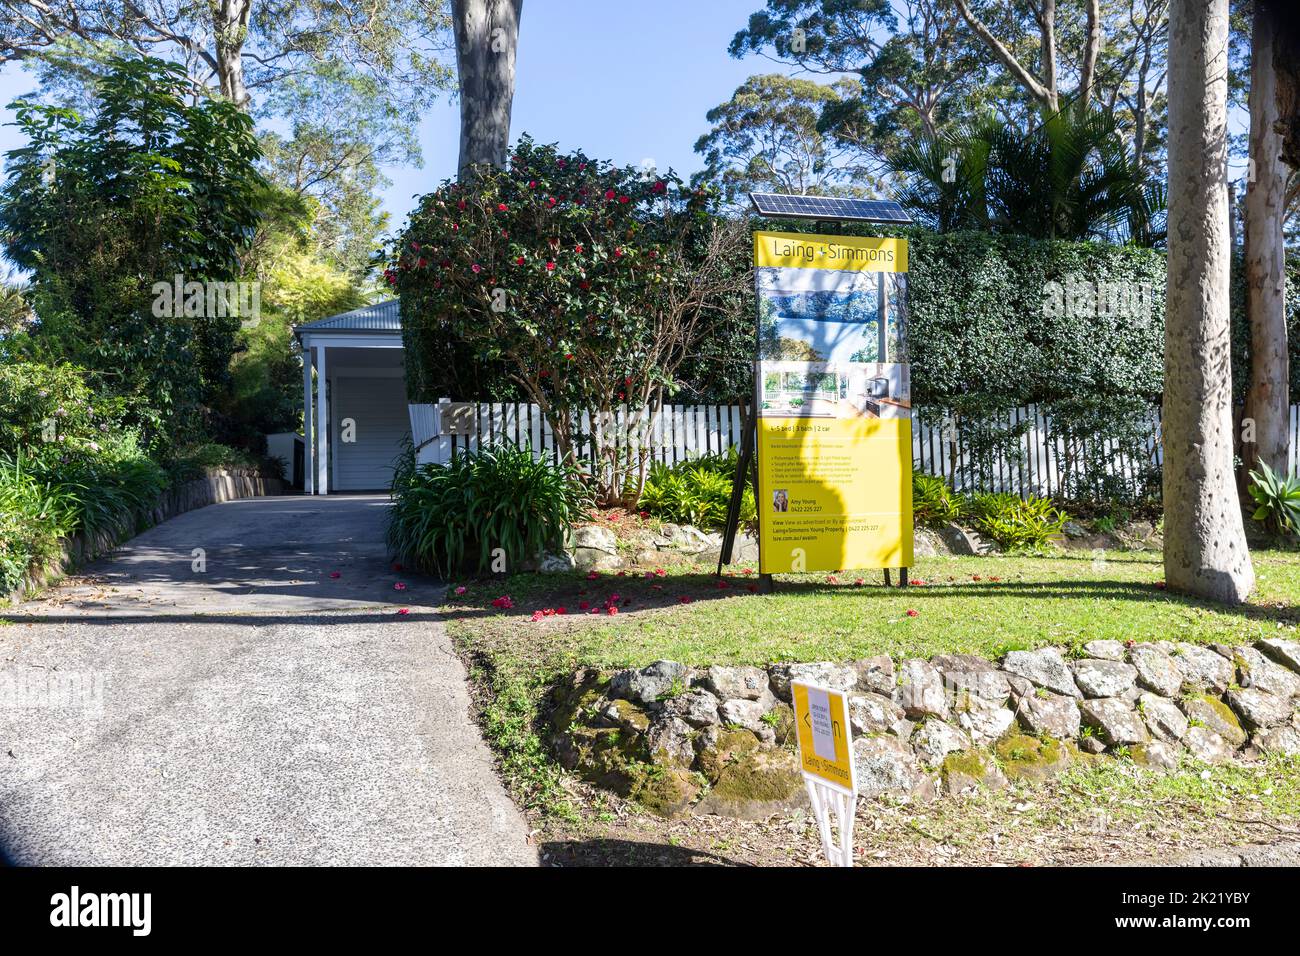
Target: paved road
[247, 708]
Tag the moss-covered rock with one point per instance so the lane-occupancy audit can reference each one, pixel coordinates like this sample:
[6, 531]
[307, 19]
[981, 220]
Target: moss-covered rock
[580, 695]
[1204, 710]
[756, 784]
[668, 792]
[627, 715]
[729, 746]
[1022, 757]
[969, 769]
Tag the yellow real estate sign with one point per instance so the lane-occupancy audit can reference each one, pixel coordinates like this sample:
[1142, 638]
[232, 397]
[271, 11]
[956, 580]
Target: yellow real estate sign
[834, 429]
[821, 722]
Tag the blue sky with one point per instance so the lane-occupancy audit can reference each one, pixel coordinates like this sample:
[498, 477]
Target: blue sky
[624, 81]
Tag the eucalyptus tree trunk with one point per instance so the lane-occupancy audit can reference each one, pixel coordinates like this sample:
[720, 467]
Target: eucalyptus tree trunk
[1205, 541]
[487, 35]
[230, 32]
[1267, 413]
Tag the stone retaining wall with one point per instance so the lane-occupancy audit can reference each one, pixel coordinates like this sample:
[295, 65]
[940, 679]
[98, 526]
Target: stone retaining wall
[720, 739]
[215, 487]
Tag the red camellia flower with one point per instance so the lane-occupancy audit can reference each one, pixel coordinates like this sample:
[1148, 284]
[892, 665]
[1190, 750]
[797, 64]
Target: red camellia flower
[502, 207]
[685, 599]
[609, 194]
[519, 261]
[612, 611]
[623, 199]
[550, 267]
[583, 605]
[550, 201]
[461, 204]
[415, 247]
[618, 253]
[476, 268]
[532, 184]
[578, 248]
[658, 187]
[912, 612]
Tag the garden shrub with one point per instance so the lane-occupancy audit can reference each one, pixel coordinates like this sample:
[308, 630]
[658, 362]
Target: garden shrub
[934, 503]
[1277, 500]
[450, 518]
[696, 491]
[1017, 524]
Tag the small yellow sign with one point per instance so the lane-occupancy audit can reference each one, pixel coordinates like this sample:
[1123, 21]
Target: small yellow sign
[821, 719]
[801, 250]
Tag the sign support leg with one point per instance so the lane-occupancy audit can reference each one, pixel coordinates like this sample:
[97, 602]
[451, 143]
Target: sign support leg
[825, 801]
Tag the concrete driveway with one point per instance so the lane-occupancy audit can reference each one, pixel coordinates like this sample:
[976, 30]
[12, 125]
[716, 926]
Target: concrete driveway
[237, 704]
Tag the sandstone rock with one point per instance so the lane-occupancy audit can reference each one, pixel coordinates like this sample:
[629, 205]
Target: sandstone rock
[835, 676]
[747, 714]
[920, 689]
[984, 720]
[1156, 670]
[1163, 718]
[1286, 653]
[926, 544]
[1106, 650]
[697, 707]
[970, 770]
[671, 742]
[991, 685]
[1259, 710]
[1215, 715]
[875, 674]
[1052, 714]
[1044, 668]
[961, 663]
[887, 765]
[1202, 669]
[1155, 753]
[1092, 744]
[651, 682]
[1207, 746]
[1102, 678]
[1116, 722]
[1260, 673]
[935, 739]
[556, 563]
[1278, 740]
[727, 683]
[594, 548]
[873, 713]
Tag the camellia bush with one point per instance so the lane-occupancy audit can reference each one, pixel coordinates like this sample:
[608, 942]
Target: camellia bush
[584, 284]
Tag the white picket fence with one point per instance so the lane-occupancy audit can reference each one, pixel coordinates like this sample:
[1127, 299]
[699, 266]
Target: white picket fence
[1041, 464]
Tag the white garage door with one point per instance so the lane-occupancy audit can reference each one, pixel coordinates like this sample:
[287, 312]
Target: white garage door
[377, 408]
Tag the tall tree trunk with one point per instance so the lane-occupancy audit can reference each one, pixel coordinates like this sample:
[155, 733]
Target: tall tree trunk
[1286, 71]
[1268, 400]
[230, 32]
[487, 34]
[1205, 541]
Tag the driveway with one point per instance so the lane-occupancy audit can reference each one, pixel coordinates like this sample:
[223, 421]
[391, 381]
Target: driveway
[212, 695]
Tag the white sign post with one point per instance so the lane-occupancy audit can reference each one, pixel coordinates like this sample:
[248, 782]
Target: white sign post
[826, 759]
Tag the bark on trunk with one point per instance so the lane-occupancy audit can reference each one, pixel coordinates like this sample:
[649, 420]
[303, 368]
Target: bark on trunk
[1268, 398]
[487, 34]
[1205, 542]
[230, 31]
[1286, 66]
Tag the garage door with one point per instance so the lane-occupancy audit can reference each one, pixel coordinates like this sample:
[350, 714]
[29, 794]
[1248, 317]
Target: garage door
[377, 407]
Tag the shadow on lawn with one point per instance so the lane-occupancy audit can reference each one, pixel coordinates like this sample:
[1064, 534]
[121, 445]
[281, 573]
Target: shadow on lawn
[638, 594]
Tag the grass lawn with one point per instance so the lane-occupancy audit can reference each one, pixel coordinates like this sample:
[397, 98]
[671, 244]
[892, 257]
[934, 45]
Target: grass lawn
[984, 605]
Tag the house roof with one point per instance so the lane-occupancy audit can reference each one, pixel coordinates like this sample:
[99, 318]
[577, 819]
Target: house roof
[380, 317]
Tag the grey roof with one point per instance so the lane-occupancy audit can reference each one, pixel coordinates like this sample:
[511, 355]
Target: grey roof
[380, 317]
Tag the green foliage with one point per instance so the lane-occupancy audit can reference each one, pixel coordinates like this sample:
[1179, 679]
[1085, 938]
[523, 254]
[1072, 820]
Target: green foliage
[934, 503]
[766, 138]
[449, 518]
[582, 283]
[1067, 177]
[149, 186]
[696, 491]
[1278, 500]
[1016, 524]
[193, 461]
[50, 410]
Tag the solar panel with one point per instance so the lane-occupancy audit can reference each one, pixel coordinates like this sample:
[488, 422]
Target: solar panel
[786, 206]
